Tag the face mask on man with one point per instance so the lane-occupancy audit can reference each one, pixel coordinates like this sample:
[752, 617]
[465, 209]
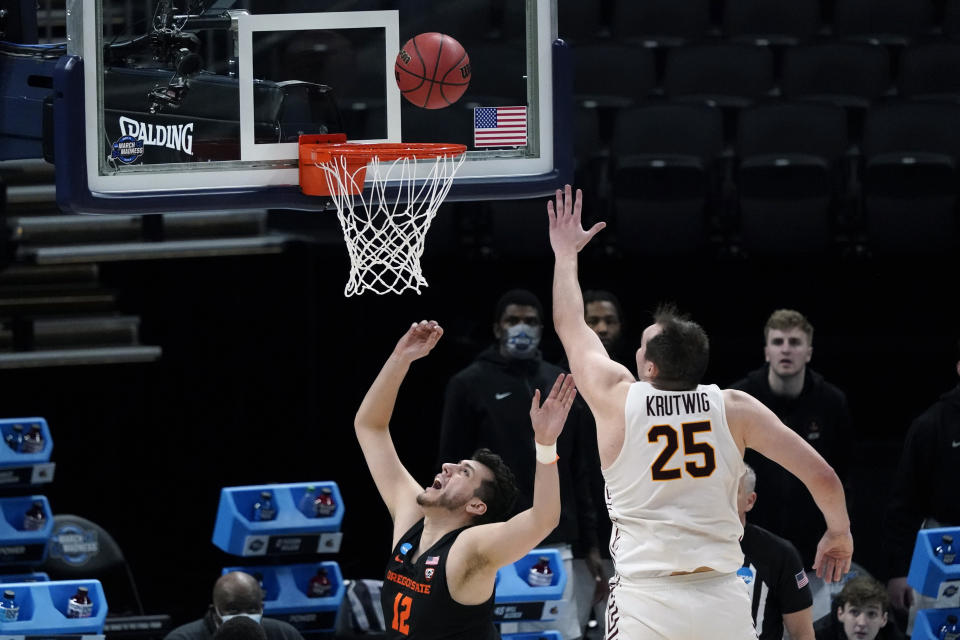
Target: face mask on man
[256, 617]
[521, 341]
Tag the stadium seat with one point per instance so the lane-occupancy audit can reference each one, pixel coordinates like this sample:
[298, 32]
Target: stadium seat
[951, 19]
[661, 23]
[887, 22]
[725, 75]
[790, 176]
[775, 22]
[910, 177]
[612, 75]
[843, 73]
[930, 71]
[664, 174]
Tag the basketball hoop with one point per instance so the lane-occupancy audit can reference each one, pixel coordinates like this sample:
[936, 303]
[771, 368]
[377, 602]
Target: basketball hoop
[385, 238]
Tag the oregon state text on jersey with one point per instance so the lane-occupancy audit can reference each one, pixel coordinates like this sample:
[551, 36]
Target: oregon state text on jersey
[416, 599]
[672, 491]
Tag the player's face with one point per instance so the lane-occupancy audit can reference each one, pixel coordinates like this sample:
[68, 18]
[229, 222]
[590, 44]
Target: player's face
[602, 317]
[643, 365]
[455, 485]
[862, 623]
[788, 351]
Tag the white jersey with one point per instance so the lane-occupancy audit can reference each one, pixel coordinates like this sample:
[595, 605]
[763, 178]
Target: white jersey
[672, 491]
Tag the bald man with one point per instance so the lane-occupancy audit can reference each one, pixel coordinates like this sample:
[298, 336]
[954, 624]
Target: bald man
[235, 595]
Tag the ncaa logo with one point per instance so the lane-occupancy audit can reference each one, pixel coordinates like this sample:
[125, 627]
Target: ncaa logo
[127, 149]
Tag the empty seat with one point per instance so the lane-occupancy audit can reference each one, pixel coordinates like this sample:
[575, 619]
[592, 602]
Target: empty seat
[790, 176]
[612, 75]
[910, 153]
[661, 23]
[663, 176]
[783, 22]
[931, 70]
[845, 73]
[951, 19]
[890, 22]
[578, 22]
[728, 75]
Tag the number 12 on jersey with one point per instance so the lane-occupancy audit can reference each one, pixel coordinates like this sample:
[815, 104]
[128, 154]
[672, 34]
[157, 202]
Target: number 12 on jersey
[691, 449]
[401, 613]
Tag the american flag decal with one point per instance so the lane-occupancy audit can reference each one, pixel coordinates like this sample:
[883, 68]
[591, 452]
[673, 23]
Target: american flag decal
[433, 560]
[500, 127]
[801, 579]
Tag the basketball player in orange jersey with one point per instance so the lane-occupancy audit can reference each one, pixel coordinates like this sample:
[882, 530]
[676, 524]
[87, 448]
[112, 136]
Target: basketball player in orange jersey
[671, 452]
[447, 539]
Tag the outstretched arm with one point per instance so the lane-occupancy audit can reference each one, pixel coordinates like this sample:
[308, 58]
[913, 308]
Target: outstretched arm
[491, 546]
[597, 375]
[757, 427]
[397, 487]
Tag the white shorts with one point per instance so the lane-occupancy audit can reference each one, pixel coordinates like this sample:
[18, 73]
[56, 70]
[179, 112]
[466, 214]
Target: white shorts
[688, 607]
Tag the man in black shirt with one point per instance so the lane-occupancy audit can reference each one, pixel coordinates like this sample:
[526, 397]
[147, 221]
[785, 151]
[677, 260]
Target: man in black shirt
[813, 408]
[924, 491]
[235, 595]
[772, 569]
[448, 541]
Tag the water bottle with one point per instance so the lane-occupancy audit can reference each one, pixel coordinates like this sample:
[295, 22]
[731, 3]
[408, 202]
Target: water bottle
[319, 586]
[33, 441]
[14, 439]
[541, 575]
[306, 502]
[949, 630]
[35, 518]
[9, 611]
[324, 505]
[945, 550]
[80, 605]
[263, 508]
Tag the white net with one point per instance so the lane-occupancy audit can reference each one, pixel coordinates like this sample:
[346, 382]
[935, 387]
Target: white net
[385, 238]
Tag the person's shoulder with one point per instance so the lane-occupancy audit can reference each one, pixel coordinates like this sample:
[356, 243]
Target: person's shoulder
[195, 630]
[771, 540]
[280, 630]
[753, 383]
[826, 388]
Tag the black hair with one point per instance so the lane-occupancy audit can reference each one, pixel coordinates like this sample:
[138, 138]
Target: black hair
[499, 494]
[601, 295]
[520, 297]
[240, 628]
[681, 350]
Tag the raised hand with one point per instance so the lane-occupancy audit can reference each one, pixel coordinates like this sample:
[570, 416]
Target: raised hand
[418, 341]
[566, 229]
[548, 419]
[834, 553]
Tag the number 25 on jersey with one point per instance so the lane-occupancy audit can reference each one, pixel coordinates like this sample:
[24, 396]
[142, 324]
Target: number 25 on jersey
[700, 457]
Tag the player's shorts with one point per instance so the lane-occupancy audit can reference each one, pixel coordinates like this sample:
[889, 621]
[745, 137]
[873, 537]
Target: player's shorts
[688, 607]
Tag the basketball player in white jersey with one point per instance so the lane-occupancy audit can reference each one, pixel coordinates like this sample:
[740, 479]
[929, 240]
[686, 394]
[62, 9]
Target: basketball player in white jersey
[671, 451]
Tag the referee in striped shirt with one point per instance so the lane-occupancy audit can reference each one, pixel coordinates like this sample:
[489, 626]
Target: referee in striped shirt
[774, 573]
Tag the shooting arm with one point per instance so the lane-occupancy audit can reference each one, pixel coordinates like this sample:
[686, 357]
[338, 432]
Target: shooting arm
[372, 425]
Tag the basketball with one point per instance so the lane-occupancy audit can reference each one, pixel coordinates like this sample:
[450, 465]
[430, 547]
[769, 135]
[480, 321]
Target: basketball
[432, 70]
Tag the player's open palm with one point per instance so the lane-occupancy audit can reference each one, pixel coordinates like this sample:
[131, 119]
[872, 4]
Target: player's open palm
[566, 227]
[418, 341]
[834, 553]
[549, 418]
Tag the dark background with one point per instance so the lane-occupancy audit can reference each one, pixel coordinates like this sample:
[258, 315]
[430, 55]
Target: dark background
[265, 362]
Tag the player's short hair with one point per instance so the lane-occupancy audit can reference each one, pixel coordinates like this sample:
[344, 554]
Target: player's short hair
[681, 351]
[517, 296]
[784, 319]
[749, 479]
[601, 295]
[241, 628]
[863, 591]
[499, 494]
